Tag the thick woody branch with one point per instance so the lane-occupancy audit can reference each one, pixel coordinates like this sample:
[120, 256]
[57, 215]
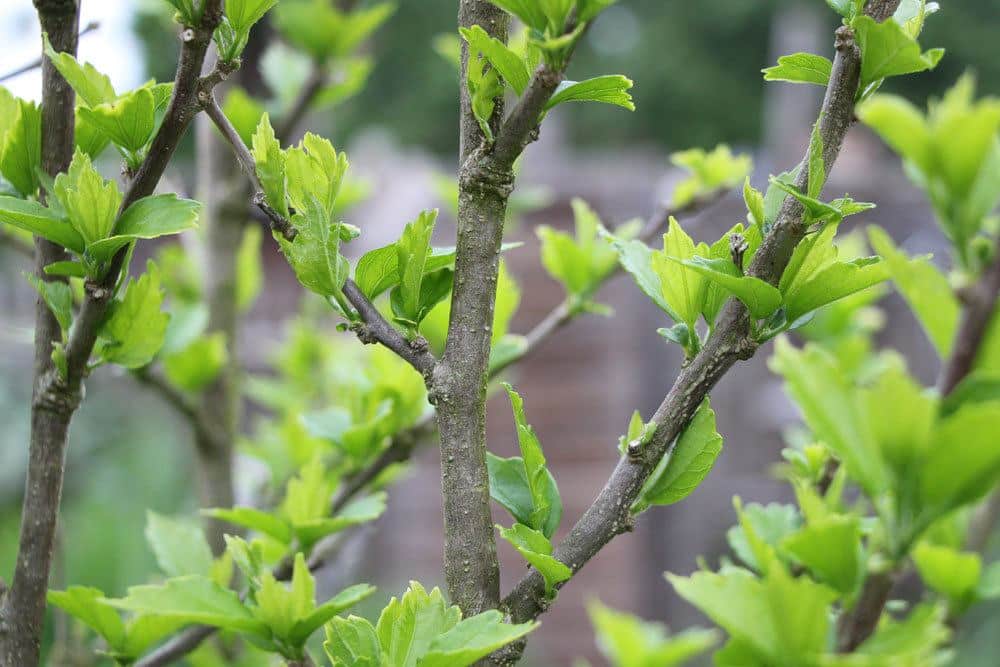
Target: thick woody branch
[730, 342]
[22, 608]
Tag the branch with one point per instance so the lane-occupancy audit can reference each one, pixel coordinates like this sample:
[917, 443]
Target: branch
[245, 158]
[730, 342]
[979, 301]
[376, 328]
[37, 62]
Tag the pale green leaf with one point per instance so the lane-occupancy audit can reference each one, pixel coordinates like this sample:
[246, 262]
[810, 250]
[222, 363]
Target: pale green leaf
[680, 471]
[537, 550]
[473, 638]
[800, 68]
[510, 65]
[609, 89]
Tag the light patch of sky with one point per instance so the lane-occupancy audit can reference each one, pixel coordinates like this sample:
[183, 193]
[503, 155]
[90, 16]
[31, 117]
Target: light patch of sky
[112, 49]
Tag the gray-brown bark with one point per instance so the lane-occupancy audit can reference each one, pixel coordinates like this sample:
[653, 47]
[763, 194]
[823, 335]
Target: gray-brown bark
[472, 571]
[22, 609]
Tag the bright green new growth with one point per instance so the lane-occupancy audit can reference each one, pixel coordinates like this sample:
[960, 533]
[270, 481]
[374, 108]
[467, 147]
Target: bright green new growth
[628, 641]
[709, 172]
[952, 153]
[419, 630]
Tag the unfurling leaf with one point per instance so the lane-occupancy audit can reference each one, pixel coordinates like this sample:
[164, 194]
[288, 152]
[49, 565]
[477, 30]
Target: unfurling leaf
[537, 550]
[681, 470]
[800, 68]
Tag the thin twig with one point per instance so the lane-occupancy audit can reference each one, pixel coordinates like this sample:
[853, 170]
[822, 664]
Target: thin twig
[249, 166]
[37, 62]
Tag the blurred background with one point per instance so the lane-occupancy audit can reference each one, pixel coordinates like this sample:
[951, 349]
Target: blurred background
[697, 72]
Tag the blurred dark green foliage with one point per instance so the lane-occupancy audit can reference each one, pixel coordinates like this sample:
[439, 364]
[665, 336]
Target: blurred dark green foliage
[696, 66]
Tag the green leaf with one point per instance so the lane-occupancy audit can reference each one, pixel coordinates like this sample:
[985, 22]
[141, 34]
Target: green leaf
[754, 201]
[352, 642]
[887, 50]
[529, 11]
[378, 270]
[243, 14]
[710, 171]
[197, 365]
[544, 494]
[364, 510]
[637, 260]
[412, 250]
[846, 8]
[472, 639]
[901, 414]
[537, 550]
[128, 121]
[89, 607]
[628, 641]
[323, 31]
[955, 476]
[249, 271]
[683, 287]
[407, 626]
[831, 549]
[179, 545]
[315, 169]
[582, 263]
[800, 68]
[954, 574]
[193, 599]
[93, 87]
[270, 162]
[21, 148]
[485, 88]
[834, 283]
[58, 296]
[135, 330]
[759, 612]
[830, 406]
[35, 218]
[188, 11]
[761, 530]
[759, 297]
[925, 289]
[254, 519]
[609, 89]
[680, 472]
[638, 432]
[901, 125]
[340, 602]
[510, 65]
[509, 487]
[315, 252]
[90, 202]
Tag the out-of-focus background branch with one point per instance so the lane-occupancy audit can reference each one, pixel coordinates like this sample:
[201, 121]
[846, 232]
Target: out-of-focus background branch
[131, 452]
